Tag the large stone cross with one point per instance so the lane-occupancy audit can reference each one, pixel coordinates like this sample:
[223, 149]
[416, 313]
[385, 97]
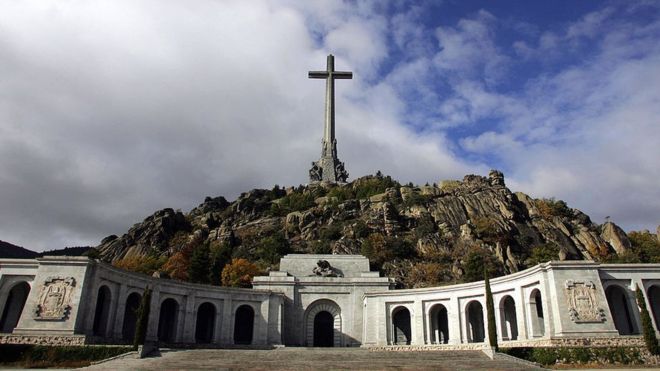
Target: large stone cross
[329, 167]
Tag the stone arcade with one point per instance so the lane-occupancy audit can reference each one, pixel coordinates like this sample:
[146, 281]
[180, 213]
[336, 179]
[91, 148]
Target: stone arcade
[324, 300]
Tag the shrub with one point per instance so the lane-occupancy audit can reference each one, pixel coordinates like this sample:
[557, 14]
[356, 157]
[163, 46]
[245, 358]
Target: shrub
[330, 233]
[425, 274]
[198, 270]
[544, 253]
[239, 273]
[219, 256]
[549, 208]
[486, 229]
[296, 201]
[478, 259]
[141, 264]
[367, 187]
[341, 194]
[448, 186]
[647, 325]
[270, 249]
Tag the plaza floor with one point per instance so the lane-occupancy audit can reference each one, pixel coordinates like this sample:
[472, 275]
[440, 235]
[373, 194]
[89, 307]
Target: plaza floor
[311, 359]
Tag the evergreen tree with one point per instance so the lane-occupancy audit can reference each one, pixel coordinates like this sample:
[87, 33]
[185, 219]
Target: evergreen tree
[198, 271]
[647, 325]
[490, 313]
[219, 255]
[142, 318]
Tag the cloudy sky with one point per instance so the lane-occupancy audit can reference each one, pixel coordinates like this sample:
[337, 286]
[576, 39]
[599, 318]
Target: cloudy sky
[110, 110]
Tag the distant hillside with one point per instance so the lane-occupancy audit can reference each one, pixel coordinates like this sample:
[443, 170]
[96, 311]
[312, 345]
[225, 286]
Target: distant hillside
[8, 250]
[420, 235]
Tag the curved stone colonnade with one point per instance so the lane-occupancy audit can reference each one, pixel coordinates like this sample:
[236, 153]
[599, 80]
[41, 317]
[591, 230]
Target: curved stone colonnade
[554, 300]
[78, 300]
[67, 301]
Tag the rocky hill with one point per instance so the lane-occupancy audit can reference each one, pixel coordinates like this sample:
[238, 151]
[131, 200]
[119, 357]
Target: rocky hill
[421, 235]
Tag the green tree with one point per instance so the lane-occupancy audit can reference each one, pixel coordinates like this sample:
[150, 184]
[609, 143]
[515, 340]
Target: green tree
[646, 246]
[272, 248]
[478, 259]
[219, 256]
[198, 271]
[142, 318]
[647, 325]
[490, 312]
[544, 253]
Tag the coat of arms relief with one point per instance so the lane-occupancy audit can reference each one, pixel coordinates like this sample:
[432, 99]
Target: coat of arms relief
[582, 304]
[55, 298]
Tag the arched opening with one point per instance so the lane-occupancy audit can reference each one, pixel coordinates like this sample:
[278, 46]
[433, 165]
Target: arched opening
[536, 313]
[324, 329]
[323, 324]
[439, 324]
[102, 311]
[205, 323]
[14, 307]
[475, 322]
[130, 316]
[617, 300]
[654, 301]
[508, 319]
[401, 333]
[244, 325]
[167, 321]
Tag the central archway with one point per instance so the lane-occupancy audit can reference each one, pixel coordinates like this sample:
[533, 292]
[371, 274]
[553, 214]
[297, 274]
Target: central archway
[323, 324]
[14, 306]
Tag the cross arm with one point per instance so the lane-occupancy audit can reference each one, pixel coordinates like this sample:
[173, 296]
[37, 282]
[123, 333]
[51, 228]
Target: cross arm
[318, 74]
[342, 75]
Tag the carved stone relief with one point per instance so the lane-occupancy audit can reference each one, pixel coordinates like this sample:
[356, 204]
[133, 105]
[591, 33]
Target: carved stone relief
[582, 304]
[55, 298]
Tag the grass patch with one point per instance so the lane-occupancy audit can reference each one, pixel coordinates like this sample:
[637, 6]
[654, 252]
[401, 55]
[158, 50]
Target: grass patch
[40, 356]
[578, 355]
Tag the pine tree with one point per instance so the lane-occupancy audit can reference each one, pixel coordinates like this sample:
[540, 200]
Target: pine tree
[219, 255]
[142, 319]
[198, 271]
[490, 313]
[647, 325]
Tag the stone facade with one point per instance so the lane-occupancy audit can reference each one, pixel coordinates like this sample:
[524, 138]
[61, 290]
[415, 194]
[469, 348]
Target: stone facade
[325, 300]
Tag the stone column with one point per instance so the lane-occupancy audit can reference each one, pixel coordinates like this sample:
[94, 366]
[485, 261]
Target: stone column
[154, 314]
[417, 323]
[189, 319]
[455, 320]
[219, 315]
[227, 321]
[521, 314]
[119, 313]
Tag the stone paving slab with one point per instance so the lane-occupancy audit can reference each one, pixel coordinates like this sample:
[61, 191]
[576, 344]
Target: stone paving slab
[311, 359]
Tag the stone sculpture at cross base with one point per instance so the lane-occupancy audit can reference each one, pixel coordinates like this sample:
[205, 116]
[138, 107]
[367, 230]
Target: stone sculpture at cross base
[329, 168]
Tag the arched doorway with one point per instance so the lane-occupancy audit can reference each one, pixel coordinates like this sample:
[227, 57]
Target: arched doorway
[617, 300]
[508, 319]
[102, 311]
[244, 325]
[654, 301]
[167, 321]
[324, 329]
[130, 316]
[475, 322]
[205, 323]
[323, 324]
[14, 306]
[536, 313]
[439, 325]
[401, 333]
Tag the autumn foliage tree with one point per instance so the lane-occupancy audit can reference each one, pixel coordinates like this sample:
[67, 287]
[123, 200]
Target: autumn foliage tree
[239, 273]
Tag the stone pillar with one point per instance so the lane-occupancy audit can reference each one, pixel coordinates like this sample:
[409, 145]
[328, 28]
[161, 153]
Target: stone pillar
[521, 315]
[219, 326]
[154, 314]
[417, 323]
[112, 311]
[227, 321]
[120, 310]
[454, 318]
[189, 319]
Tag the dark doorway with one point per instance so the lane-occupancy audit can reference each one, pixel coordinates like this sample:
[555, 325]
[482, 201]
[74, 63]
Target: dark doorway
[324, 324]
[102, 311]
[439, 325]
[205, 323]
[654, 300]
[167, 321]
[244, 325]
[617, 299]
[475, 314]
[14, 307]
[401, 326]
[130, 316]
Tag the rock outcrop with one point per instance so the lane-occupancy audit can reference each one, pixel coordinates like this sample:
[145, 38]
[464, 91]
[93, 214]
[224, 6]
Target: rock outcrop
[442, 220]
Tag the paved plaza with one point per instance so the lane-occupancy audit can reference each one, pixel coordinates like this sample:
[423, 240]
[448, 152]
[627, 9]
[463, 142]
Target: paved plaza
[311, 359]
